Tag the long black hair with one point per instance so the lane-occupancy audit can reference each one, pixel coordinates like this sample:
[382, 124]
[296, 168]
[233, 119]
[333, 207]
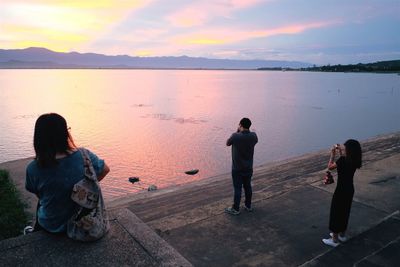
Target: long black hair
[51, 137]
[353, 153]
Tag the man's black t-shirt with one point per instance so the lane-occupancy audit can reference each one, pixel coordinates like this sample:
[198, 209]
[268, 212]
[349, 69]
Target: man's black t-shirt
[242, 150]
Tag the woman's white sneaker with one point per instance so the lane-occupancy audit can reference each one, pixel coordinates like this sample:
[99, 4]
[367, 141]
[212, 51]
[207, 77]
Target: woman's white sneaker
[342, 239]
[28, 229]
[330, 242]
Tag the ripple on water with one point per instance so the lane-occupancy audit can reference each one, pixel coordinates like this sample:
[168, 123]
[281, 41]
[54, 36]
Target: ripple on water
[180, 120]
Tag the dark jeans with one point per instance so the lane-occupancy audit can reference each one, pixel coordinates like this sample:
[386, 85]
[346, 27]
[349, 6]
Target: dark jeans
[37, 226]
[242, 179]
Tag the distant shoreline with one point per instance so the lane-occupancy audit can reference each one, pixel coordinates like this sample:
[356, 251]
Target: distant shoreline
[219, 69]
[42, 58]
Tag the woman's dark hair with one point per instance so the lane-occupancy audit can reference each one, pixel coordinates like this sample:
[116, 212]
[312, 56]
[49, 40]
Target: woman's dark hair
[51, 137]
[245, 122]
[353, 153]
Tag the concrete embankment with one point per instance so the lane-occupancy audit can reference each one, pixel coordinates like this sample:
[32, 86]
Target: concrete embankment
[291, 213]
[291, 217]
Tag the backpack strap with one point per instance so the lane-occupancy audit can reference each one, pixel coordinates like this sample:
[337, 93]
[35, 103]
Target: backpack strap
[89, 171]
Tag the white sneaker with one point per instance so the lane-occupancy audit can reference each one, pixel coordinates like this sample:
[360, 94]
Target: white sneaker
[248, 209]
[28, 229]
[232, 211]
[341, 238]
[330, 242]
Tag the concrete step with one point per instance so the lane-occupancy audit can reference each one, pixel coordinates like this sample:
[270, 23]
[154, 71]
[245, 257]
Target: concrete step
[130, 242]
[387, 256]
[378, 246]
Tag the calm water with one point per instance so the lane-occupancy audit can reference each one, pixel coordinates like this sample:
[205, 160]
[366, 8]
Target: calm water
[156, 124]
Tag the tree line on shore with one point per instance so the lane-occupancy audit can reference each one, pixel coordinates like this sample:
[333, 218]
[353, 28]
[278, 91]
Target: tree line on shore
[381, 66]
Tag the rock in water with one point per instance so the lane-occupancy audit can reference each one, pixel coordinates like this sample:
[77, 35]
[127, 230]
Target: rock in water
[133, 179]
[152, 187]
[192, 172]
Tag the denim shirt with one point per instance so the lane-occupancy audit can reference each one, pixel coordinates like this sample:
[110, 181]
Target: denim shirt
[53, 186]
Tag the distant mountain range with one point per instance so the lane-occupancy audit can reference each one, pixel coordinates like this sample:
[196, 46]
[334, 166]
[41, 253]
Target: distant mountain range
[35, 57]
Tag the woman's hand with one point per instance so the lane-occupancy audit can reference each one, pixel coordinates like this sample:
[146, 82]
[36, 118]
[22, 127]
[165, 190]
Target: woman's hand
[340, 149]
[331, 163]
[103, 174]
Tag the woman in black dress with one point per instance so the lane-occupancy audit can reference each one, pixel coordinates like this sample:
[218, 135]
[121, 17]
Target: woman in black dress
[350, 159]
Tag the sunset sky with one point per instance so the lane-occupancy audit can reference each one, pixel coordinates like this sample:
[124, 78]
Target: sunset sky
[314, 31]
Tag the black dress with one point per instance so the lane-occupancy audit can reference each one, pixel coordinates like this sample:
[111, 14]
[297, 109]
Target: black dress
[342, 198]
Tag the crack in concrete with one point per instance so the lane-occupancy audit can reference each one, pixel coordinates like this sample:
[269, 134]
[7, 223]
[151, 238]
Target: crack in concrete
[385, 180]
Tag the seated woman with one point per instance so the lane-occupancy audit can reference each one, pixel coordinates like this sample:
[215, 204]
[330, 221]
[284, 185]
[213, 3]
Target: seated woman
[58, 165]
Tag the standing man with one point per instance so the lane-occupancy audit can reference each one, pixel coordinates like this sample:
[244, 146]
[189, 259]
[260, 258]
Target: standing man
[242, 142]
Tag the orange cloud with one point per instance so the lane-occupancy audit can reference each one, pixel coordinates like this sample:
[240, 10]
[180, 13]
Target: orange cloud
[227, 35]
[143, 53]
[60, 25]
[205, 41]
[159, 44]
[88, 4]
[35, 36]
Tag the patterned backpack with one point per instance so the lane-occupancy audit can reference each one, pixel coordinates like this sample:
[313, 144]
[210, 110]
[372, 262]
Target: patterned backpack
[90, 222]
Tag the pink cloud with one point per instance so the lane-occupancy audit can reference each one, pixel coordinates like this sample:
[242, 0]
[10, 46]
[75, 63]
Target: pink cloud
[200, 12]
[246, 3]
[291, 29]
[188, 17]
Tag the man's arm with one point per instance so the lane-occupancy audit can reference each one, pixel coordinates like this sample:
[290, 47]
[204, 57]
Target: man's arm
[229, 142]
